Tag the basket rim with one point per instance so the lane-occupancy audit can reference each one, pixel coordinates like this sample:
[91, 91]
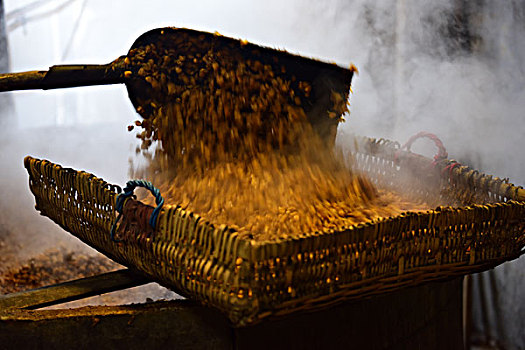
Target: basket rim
[369, 231]
[191, 254]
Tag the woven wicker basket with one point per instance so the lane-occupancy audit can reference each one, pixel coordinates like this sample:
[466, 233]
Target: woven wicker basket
[249, 280]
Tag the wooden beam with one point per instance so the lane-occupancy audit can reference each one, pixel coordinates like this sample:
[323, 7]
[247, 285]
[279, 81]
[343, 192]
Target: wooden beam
[73, 290]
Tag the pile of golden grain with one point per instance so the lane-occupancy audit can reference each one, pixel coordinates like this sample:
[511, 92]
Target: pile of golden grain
[235, 145]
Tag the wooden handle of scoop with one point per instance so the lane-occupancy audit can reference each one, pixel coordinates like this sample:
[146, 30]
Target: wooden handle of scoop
[63, 76]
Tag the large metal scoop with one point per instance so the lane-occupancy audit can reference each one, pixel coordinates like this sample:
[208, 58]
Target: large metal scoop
[324, 78]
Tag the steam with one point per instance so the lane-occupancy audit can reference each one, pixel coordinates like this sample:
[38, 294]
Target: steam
[456, 72]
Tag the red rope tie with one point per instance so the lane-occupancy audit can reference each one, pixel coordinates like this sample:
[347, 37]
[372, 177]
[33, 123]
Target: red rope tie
[450, 167]
[440, 155]
[396, 156]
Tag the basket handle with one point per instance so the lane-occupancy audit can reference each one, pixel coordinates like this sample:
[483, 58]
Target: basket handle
[442, 152]
[128, 192]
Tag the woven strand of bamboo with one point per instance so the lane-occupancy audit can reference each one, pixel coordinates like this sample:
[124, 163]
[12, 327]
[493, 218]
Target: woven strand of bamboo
[253, 280]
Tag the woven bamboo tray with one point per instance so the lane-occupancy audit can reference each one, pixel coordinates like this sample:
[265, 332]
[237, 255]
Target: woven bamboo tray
[249, 280]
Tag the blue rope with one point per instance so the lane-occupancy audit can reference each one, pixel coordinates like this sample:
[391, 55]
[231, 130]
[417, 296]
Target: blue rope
[128, 192]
